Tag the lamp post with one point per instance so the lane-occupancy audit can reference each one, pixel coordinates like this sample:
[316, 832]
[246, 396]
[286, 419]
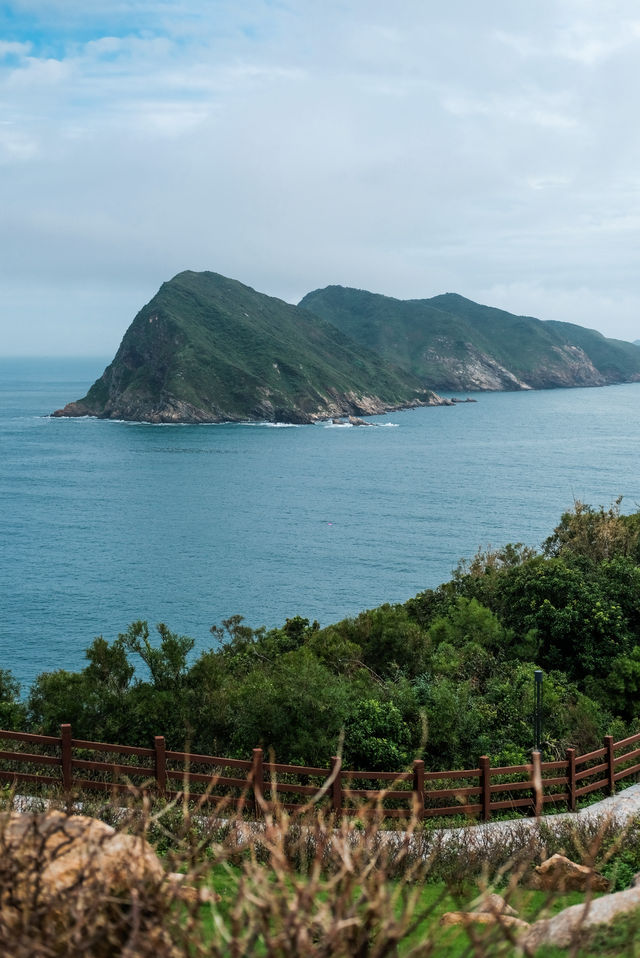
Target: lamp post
[537, 709]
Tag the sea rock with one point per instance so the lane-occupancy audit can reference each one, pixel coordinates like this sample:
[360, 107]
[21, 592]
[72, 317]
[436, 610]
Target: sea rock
[207, 349]
[561, 874]
[355, 421]
[564, 928]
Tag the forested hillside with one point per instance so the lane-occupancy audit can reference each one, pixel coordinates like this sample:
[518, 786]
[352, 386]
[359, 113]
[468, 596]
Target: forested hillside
[453, 343]
[210, 349]
[446, 676]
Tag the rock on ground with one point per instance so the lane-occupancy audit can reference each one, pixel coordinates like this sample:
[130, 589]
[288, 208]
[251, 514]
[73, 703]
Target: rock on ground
[564, 928]
[561, 874]
[72, 885]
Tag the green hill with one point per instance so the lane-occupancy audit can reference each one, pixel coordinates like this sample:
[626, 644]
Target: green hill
[209, 349]
[453, 343]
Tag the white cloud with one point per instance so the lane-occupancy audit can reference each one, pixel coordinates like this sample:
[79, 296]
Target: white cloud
[15, 145]
[13, 49]
[407, 149]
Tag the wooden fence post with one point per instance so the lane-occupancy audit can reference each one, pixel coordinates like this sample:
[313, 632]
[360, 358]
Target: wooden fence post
[536, 782]
[485, 785]
[571, 778]
[161, 765]
[336, 785]
[257, 781]
[611, 766]
[418, 787]
[67, 775]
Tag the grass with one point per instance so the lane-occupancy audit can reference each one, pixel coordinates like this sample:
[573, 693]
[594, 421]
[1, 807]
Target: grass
[433, 901]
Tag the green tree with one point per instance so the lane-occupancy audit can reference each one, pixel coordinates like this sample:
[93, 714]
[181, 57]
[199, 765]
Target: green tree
[388, 638]
[295, 707]
[13, 712]
[469, 621]
[579, 627]
[376, 737]
[60, 697]
[167, 663]
[622, 684]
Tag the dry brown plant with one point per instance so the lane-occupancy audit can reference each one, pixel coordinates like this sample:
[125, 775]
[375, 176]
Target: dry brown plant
[303, 884]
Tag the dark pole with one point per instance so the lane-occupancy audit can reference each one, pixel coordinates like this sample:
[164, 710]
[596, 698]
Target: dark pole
[537, 710]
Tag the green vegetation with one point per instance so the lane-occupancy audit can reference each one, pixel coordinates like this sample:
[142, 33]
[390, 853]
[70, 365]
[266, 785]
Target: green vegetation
[446, 676]
[457, 659]
[453, 343]
[209, 349]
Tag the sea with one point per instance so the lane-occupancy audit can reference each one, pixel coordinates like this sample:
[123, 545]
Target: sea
[104, 523]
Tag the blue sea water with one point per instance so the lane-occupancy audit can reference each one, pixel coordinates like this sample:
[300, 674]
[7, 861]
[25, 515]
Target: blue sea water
[106, 522]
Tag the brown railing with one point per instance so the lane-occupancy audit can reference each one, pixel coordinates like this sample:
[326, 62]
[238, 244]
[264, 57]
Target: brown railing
[75, 765]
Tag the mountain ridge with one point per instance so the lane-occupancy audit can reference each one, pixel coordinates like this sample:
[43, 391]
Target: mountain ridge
[454, 343]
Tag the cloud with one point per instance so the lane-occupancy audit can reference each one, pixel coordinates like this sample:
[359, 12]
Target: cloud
[407, 150]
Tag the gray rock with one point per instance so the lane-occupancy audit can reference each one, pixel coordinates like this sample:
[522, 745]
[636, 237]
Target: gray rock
[563, 928]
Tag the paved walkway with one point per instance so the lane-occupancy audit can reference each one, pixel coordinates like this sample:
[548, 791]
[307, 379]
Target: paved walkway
[516, 833]
[619, 809]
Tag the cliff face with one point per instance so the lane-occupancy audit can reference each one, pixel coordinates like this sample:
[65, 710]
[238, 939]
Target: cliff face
[209, 349]
[453, 343]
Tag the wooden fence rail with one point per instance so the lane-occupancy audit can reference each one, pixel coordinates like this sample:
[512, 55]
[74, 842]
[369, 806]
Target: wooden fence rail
[80, 765]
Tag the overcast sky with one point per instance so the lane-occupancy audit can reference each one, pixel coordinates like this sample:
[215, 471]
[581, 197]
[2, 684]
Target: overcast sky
[409, 148]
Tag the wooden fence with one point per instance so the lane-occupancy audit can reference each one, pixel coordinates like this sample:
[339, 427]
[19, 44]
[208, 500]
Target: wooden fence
[75, 765]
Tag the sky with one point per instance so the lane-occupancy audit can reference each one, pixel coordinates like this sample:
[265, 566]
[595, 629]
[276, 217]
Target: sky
[408, 148]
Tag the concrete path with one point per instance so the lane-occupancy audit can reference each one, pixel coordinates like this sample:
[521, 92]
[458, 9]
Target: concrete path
[619, 808]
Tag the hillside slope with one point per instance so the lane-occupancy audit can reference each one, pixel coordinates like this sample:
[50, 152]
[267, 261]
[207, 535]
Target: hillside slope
[453, 343]
[209, 349]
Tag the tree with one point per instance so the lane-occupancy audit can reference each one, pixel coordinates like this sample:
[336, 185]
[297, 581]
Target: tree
[595, 534]
[376, 737]
[580, 629]
[622, 684]
[12, 711]
[469, 621]
[58, 697]
[167, 663]
[294, 706]
[388, 638]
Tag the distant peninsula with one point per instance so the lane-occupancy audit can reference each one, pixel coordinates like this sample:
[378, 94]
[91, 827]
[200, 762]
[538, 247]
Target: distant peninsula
[452, 343]
[207, 349]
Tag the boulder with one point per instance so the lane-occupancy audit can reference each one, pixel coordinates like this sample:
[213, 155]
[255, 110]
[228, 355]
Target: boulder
[65, 878]
[68, 852]
[561, 874]
[491, 909]
[564, 928]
